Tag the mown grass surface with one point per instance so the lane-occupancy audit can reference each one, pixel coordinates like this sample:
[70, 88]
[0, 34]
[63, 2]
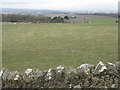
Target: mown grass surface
[49, 45]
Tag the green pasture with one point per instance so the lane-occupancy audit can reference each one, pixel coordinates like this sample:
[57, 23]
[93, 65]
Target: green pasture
[46, 45]
[104, 20]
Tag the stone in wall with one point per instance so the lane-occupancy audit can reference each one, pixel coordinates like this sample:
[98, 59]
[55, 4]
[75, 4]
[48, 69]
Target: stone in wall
[85, 76]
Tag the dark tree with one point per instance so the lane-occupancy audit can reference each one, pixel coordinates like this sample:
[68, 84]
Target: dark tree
[66, 17]
[57, 20]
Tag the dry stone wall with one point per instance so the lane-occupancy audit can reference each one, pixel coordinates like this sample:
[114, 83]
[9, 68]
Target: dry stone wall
[85, 76]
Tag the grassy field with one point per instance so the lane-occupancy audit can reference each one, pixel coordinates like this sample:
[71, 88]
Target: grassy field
[104, 20]
[49, 45]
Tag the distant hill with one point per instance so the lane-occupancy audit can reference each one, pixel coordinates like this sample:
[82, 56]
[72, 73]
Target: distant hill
[80, 17]
[28, 11]
[47, 11]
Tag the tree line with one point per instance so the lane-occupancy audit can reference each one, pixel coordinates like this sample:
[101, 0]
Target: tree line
[33, 18]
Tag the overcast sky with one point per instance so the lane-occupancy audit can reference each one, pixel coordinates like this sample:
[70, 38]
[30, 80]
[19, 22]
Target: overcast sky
[75, 5]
